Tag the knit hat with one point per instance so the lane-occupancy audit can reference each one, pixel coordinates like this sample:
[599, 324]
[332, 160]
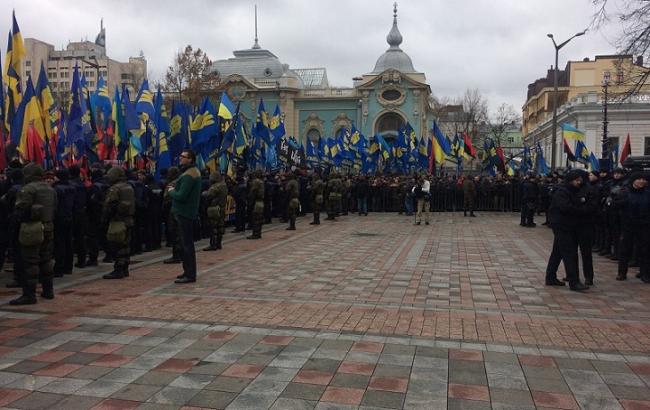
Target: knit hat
[574, 174]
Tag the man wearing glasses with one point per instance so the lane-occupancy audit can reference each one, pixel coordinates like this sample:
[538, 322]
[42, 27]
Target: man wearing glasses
[185, 196]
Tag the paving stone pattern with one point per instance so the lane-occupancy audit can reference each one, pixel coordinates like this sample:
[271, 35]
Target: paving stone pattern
[364, 313]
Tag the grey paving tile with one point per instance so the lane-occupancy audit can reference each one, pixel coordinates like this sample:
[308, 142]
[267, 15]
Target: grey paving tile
[584, 381]
[173, 395]
[325, 365]
[288, 361]
[76, 403]
[388, 370]
[64, 385]
[212, 399]
[278, 373]
[548, 385]
[156, 378]
[302, 391]
[498, 357]
[26, 367]
[91, 372]
[252, 402]
[424, 403]
[456, 404]
[211, 368]
[630, 392]
[578, 364]
[298, 351]
[519, 398]
[192, 381]
[542, 372]
[123, 375]
[37, 401]
[82, 358]
[396, 359]
[293, 404]
[428, 351]
[467, 372]
[385, 399]
[228, 384]
[8, 377]
[611, 367]
[333, 406]
[588, 401]
[265, 386]
[622, 379]
[29, 382]
[100, 388]
[356, 381]
[136, 392]
[363, 357]
[329, 354]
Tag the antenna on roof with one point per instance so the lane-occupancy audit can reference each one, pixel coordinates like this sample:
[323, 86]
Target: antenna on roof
[256, 45]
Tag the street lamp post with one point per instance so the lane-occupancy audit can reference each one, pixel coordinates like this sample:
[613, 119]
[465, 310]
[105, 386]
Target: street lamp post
[555, 92]
[605, 141]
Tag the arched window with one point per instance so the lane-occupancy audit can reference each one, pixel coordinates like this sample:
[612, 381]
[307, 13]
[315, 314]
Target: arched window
[313, 135]
[389, 124]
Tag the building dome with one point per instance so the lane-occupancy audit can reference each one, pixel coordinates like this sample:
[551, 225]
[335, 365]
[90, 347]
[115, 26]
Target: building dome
[394, 57]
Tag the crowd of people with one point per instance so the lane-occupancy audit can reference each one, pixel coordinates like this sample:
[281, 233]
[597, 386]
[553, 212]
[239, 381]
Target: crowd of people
[50, 218]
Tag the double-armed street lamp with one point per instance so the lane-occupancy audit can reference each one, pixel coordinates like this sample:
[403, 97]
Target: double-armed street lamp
[555, 91]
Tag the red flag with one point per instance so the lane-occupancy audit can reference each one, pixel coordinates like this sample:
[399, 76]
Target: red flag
[34, 146]
[502, 159]
[469, 148]
[568, 151]
[627, 149]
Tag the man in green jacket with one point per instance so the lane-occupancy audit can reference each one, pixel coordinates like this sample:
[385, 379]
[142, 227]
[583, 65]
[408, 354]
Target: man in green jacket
[186, 195]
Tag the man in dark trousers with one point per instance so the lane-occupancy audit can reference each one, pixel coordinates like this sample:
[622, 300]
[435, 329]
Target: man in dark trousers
[634, 203]
[63, 253]
[186, 196]
[566, 209]
[79, 216]
[240, 196]
[529, 192]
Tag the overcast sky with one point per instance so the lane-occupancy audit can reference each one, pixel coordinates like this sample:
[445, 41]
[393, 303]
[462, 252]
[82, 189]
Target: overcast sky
[497, 46]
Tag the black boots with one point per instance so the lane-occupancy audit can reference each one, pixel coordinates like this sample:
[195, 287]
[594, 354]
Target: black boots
[218, 241]
[212, 246]
[48, 289]
[317, 219]
[292, 224]
[28, 297]
[120, 272]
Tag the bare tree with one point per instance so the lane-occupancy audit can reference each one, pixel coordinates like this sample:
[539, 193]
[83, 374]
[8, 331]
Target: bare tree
[190, 75]
[475, 109]
[502, 121]
[634, 16]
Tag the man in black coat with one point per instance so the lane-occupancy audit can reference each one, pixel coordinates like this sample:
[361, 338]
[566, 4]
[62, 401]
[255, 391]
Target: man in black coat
[634, 204]
[565, 213]
[529, 192]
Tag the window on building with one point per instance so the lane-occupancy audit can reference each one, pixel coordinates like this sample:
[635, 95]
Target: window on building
[28, 73]
[91, 83]
[125, 76]
[619, 77]
[511, 140]
[614, 148]
[28, 63]
[51, 74]
[646, 146]
[65, 74]
[104, 74]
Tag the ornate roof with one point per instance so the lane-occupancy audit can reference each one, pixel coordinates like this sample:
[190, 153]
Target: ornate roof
[394, 57]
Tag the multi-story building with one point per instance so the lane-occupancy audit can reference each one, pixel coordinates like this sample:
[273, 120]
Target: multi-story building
[581, 103]
[92, 61]
[379, 102]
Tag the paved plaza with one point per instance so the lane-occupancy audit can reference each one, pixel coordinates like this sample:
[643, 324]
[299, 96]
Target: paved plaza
[361, 313]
